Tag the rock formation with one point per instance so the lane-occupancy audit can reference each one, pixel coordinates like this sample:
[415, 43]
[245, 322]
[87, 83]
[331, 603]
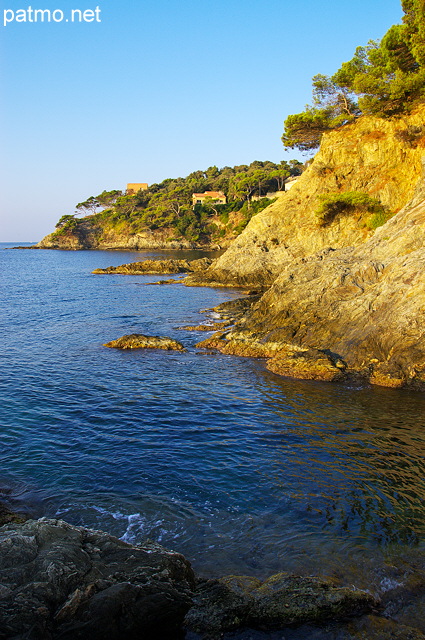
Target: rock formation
[57, 580]
[67, 582]
[140, 341]
[339, 299]
[282, 600]
[358, 310]
[157, 267]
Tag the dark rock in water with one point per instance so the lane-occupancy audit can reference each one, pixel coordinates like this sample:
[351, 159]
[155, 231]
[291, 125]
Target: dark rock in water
[139, 341]
[57, 580]
[156, 267]
[161, 282]
[67, 582]
[240, 601]
[379, 628]
[7, 515]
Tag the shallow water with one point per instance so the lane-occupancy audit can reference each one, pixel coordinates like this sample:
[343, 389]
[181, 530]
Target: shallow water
[240, 470]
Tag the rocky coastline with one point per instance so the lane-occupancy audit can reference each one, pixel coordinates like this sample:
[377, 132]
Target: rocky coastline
[342, 299]
[326, 302]
[62, 581]
[356, 311]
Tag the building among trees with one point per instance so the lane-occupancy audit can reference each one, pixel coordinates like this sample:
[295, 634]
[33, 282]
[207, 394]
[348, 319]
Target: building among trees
[217, 196]
[134, 187]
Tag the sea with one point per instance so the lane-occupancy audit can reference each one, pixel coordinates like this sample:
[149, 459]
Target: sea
[242, 471]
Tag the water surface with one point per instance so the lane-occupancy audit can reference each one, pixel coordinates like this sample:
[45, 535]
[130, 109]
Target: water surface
[240, 470]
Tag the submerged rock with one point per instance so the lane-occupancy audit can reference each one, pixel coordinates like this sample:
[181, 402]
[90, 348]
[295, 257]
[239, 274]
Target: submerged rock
[140, 341]
[57, 580]
[7, 515]
[240, 601]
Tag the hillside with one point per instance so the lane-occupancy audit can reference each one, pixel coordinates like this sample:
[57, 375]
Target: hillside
[205, 210]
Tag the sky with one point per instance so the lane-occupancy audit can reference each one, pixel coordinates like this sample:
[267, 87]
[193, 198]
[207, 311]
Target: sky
[116, 91]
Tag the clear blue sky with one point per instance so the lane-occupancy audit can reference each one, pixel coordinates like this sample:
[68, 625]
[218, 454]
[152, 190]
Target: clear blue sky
[156, 90]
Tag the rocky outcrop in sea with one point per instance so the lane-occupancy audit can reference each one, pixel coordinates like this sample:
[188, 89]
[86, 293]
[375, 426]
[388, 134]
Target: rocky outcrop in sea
[140, 341]
[157, 267]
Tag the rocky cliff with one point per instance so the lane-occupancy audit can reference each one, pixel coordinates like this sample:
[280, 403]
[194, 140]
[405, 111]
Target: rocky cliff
[380, 157]
[339, 300]
[357, 310]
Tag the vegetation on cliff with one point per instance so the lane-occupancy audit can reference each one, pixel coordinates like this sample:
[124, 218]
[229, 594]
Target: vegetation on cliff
[383, 78]
[370, 210]
[168, 205]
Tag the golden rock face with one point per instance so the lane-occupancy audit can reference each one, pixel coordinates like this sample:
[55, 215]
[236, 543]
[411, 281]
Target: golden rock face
[339, 293]
[140, 341]
[375, 156]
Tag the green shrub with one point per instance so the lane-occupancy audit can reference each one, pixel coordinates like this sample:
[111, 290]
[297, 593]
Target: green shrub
[378, 219]
[350, 203]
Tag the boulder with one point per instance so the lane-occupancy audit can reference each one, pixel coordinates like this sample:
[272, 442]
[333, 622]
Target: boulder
[57, 580]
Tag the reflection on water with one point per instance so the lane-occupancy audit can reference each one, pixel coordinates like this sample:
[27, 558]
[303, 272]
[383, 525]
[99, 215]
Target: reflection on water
[359, 459]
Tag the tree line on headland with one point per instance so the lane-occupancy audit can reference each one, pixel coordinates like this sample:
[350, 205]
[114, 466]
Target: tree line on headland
[168, 204]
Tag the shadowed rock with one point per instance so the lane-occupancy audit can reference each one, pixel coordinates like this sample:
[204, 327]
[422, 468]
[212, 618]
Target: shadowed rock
[6, 515]
[57, 580]
[240, 601]
[140, 341]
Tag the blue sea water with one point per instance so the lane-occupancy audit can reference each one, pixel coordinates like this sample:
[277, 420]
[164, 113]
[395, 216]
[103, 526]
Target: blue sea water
[242, 471]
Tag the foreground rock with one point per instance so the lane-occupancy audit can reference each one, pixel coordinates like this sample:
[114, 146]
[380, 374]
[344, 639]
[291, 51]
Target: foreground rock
[157, 267]
[69, 582]
[282, 600]
[140, 341]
